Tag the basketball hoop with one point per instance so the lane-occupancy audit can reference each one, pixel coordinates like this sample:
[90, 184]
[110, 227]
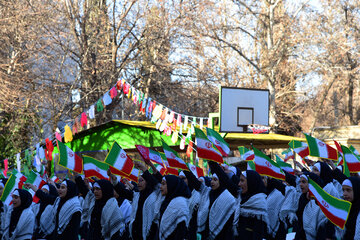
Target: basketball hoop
[257, 129]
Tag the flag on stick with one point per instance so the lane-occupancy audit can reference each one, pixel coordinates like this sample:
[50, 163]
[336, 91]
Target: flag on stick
[148, 154]
[351, 159]
[205, 148]
[95, 168]
[265, 166]
[318, 148]
[118, 158]
[172, 157]
[246, 154]
[218, 141]
[68, 159]
[197, 171]
[288, 155]
[300, 148]
[284, 166]
[9, 188]
[336, 210]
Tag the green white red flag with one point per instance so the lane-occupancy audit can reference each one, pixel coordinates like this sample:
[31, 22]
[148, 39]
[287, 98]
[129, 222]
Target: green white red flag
[36, 180]
[250, 165]
[284, 166]
[205, 148]
[218, 141]
[172, 157]
[197, 171]
[118, 158]
[318, 148]
[160, 168]
[288, 155]
[336, 210]
[69, 159]
[169, 170]
[20, 178]
[55, 179]
[246, 154]
[149, 155]
[265, 166]
[352, 160]
[134, 175]
[95, 168]
[300, 148]
[10, 186]
[354, 150]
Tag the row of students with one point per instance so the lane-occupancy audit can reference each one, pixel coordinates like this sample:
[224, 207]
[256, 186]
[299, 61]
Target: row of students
[230, 205]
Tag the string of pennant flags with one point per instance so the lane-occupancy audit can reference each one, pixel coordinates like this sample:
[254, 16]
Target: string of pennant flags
[154, 111]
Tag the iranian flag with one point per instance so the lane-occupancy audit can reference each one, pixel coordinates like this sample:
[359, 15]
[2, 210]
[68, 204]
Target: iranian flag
[36, 180]
[246, 154]
[352, 160]
[284, 166]
[68, 159]
[160, 168]
[134, 175]
[55, 179]
[118, 158]
[300, 148]
[288, 155]
[95, 168]
[341, 155]
[197, 171]
[354, 150]
[318, 148]
[169, 170]
[218, 141]
[172, 157]
[205, 148]
[345, 169]
[336, 210]
[15, 181]
[149, 155]
[265, 166]
[250, 165]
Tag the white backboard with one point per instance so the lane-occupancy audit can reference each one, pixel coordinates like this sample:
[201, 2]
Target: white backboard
[240, 107]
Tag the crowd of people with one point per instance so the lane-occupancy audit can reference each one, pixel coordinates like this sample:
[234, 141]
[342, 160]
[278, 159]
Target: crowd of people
[228, 205]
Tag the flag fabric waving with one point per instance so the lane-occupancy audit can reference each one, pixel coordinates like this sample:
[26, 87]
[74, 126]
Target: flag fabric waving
[336, 210]
[218, 141]
[118, 158]
[265, 166]
[288, 155]
[197, 171]
[352, 160]
[354, 150]
[148, 154]
[9, 188]
[69, 159]
[284, 166]
[95, 168]
[20, 178]
[250, 165]
[205, 148]
[35, 179]
[172, 158]
[318, 148]
[300, 148]
[246, 154]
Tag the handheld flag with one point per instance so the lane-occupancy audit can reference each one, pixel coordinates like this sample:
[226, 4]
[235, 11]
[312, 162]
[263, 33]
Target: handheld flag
[352, 160]
[118, 158]
[68, 159]
[284, 166]
[35, 179]
[205, 148]
[246, 154]
[95, 168]
[250, 165]
[218, 141]
[354, 150]
[148, 154]
[9, 188]
[172, 157]
[288, 155]
[336, 210]
[300, 148]
[265, 166]
[318, 148]
[197, 171]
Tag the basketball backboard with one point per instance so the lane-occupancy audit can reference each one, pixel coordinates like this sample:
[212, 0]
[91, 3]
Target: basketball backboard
[241, 107]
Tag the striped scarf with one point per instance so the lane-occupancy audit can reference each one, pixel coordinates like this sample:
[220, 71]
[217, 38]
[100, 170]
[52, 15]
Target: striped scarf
[194, 202]
[47, 221]
[274, 203]
[313, 218]
[176, 212]
[290, 205]
[24, 228]
[256, 207]
[111, 219]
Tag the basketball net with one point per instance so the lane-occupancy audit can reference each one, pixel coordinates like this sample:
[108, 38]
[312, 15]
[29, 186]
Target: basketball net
[257, 129]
